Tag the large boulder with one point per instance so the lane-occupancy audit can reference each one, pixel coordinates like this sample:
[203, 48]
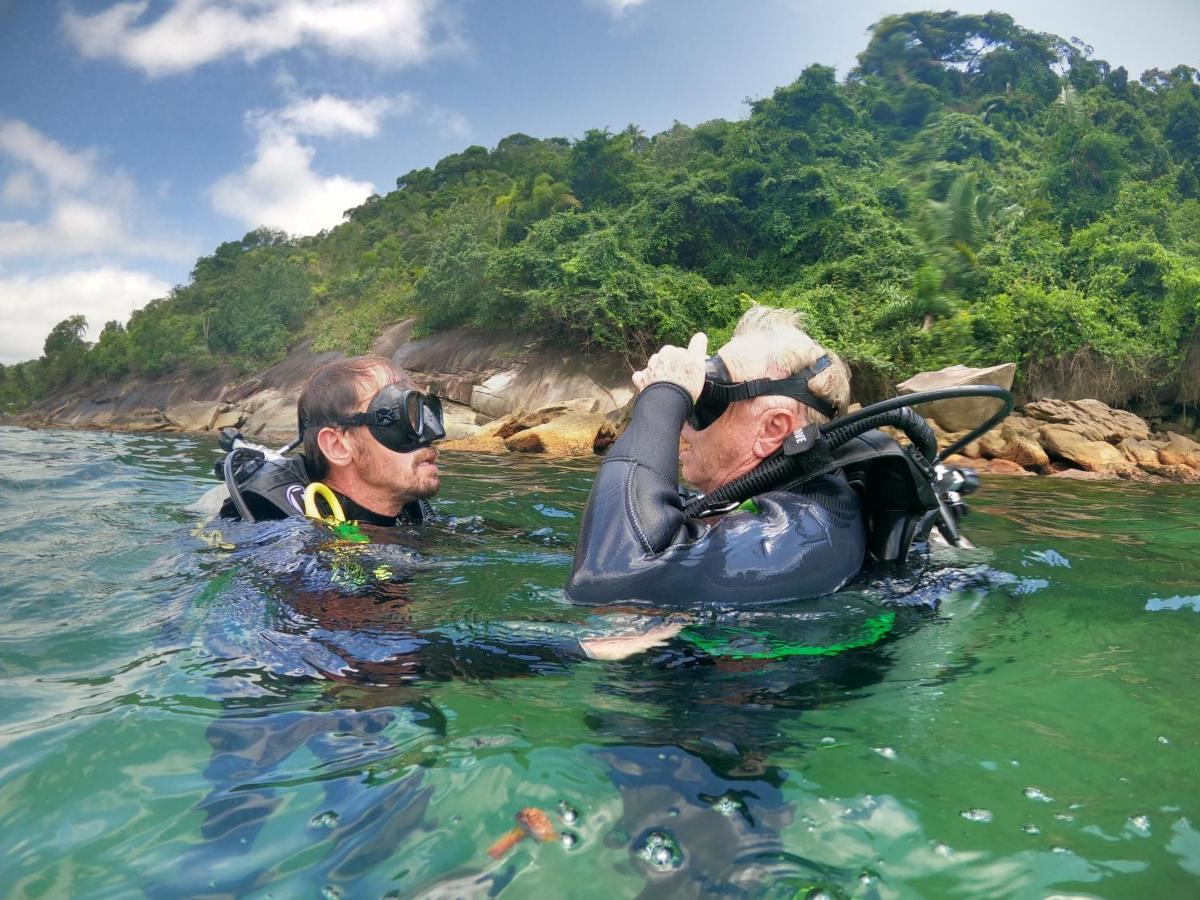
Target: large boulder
[1143, 454]
[1090, 419]
[270, 415]
[1179, 451]
[1093, 456]
[532, 427]
[197, 415]
[575, 434]
[965, 413]
[1014, 442]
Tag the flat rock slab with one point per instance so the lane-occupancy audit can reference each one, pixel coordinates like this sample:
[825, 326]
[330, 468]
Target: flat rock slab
[965, 413]
[1091, 419]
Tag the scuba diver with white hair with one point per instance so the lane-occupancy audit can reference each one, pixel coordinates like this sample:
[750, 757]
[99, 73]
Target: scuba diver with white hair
[790, 500]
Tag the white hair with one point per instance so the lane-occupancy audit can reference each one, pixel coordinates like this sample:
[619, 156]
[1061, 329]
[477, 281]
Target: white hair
[773, 345]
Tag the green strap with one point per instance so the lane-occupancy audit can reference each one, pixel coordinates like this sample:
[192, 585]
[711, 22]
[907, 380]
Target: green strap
[873, 629]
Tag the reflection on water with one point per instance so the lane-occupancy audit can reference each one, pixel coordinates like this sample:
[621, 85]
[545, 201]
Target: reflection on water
[294, 716]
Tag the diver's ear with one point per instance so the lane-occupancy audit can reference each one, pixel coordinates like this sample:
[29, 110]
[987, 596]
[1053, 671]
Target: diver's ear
[335, 444]
[774, 426]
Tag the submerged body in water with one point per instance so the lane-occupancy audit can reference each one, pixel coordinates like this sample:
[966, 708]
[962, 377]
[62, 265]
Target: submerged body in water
[1049, 693]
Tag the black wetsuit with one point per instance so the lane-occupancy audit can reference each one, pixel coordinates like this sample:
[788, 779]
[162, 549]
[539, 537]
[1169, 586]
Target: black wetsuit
[413, 513]
[636, 544]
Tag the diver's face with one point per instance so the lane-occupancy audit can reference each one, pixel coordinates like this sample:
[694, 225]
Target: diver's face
[405, 476]
[708, 457]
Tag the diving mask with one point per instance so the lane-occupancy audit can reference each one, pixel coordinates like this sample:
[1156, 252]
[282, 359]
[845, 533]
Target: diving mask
[402, 419]
[720, 390]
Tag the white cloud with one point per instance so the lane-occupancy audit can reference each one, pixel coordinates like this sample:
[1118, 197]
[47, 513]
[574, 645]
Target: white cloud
[281, 190]
[32, 305]
[21, 189]
[190, 33]
[84, 208]
[618, 8]
[329, 116]
[449, 124]
[63, 168]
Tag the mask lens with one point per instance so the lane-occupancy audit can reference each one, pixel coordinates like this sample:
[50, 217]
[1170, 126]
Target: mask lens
[705, 412]
[413, 403]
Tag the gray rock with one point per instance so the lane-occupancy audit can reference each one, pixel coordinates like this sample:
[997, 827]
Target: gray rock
[964, 414]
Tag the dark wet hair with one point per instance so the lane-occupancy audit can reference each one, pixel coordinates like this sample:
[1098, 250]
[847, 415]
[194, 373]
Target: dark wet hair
[331, 393]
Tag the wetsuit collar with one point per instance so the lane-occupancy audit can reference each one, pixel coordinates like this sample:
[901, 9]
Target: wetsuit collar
[411, 514]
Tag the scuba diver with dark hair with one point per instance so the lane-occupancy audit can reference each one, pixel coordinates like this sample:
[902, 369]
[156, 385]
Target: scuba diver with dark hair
[368, 437]
[791, 500]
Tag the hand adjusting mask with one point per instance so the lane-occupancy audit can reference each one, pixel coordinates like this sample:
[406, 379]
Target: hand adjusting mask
[720, 390]
[402, 419]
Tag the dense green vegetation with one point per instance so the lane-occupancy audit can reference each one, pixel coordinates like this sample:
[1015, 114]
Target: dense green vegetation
[972, 192]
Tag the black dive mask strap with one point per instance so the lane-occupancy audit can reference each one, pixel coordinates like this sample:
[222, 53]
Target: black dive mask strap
[718, 391]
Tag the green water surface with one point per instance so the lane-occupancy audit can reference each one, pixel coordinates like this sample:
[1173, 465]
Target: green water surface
[290, 719]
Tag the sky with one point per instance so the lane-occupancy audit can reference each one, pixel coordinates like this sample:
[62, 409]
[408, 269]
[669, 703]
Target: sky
[136, 136]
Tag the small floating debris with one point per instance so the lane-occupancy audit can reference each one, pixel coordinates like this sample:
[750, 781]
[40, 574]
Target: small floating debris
[569, 840]
[1030, 828]
[1036, 793]
[530, 820]
[329, 892]
[886, 752]
[1064, 817]
[975, 814]
[568, 813]
[728, 806]
[828, 740]
[327, 819]
[660, 851]
[1058, 849]
[1140, 824]
[1163, 739]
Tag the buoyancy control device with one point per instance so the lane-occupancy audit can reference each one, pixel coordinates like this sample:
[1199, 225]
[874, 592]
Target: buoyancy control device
[906, 490]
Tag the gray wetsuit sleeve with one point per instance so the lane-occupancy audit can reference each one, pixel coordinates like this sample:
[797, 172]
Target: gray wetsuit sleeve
[636, 544]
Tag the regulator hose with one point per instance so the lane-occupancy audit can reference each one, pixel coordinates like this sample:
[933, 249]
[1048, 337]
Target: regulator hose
[896, 413]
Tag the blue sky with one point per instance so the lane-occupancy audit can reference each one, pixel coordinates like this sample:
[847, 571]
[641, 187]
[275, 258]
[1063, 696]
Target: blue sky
[135, 136]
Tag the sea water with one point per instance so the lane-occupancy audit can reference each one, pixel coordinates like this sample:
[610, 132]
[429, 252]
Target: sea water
[268, 712]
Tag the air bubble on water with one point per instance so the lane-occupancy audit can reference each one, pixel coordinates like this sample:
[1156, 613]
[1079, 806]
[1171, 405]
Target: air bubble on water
[662, 756]
[1140, 824]
[1123, 780]
[1030, 828]
[828, 740]
[569, 840]
[1013, 762]
[567, 813]
[1058, 849]
[1036, 793]
[1163, 739]
[818, 894]
[660, 851]
[456, 820]
[673, 812]
[1064, 817]
[975, 814]
[866, 877]
[1075, 806]
[327, 819]
[329, 892]
[885, 752]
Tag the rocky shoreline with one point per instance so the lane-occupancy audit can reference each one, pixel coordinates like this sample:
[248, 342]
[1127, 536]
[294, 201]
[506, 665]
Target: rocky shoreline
[507, 394]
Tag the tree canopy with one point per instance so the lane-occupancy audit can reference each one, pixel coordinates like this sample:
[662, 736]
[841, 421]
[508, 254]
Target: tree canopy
[971, 192]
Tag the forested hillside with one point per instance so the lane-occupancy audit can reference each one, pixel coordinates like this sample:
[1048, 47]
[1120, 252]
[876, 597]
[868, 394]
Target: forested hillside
[971, 192]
